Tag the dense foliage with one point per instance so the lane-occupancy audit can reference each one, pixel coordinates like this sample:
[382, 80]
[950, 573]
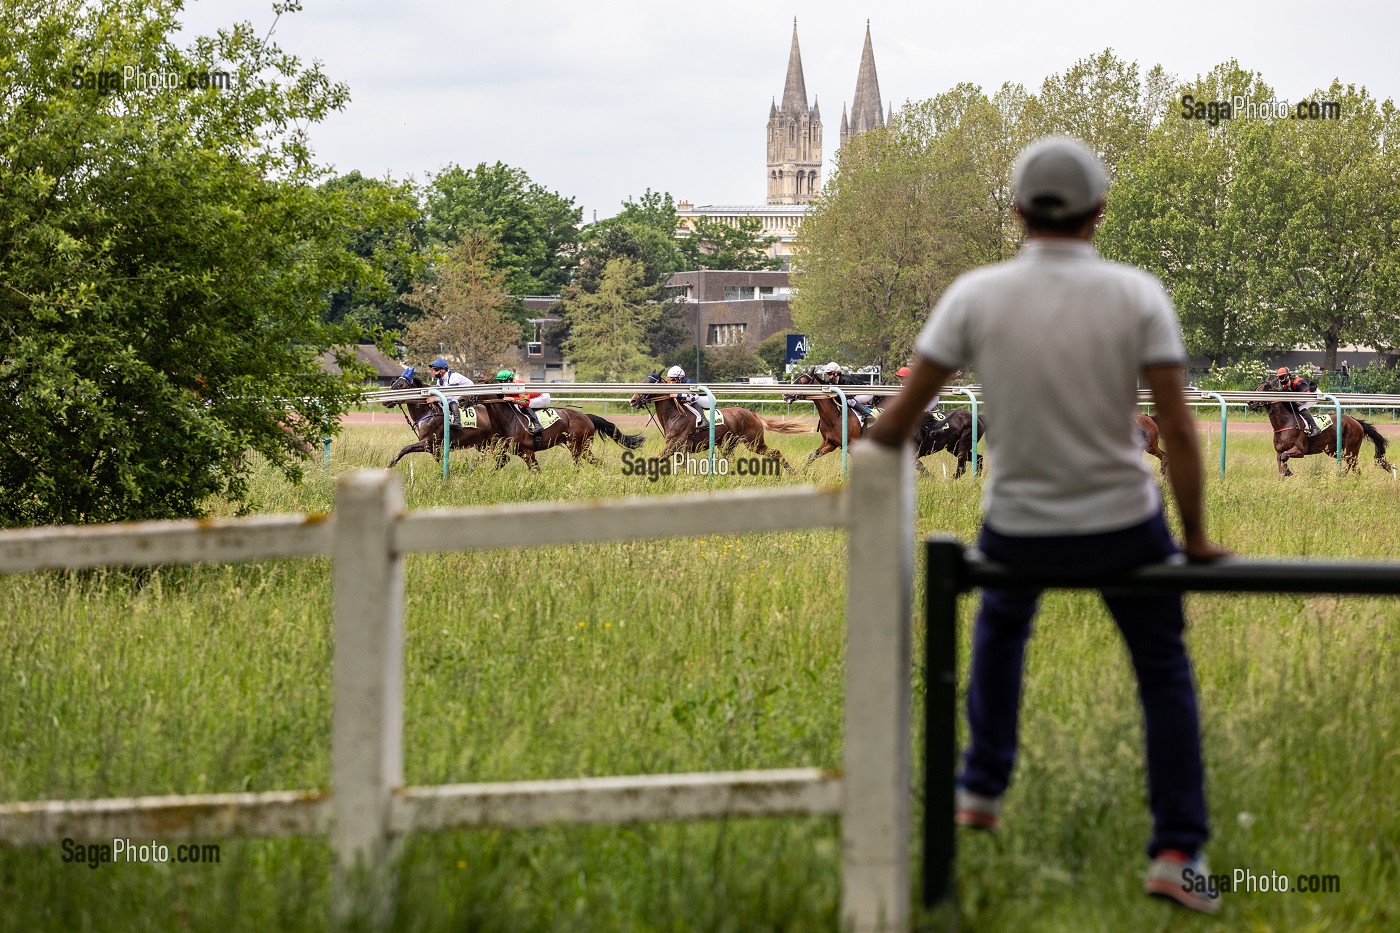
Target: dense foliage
[165, 255]
[1269, 232]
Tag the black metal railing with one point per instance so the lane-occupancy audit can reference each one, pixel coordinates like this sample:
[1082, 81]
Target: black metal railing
[952, 570]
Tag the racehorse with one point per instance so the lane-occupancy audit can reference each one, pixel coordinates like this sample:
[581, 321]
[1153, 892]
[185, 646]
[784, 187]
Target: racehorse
[682, 434]
[952, 432]
[1147, 428]
[1291, 440]
[494, 420]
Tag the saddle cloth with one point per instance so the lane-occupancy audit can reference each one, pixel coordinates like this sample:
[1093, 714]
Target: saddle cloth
[703, 420]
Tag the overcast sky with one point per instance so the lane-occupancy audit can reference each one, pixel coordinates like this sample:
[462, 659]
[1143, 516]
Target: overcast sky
[601, 99]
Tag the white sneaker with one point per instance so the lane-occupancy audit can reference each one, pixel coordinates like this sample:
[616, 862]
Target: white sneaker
[1183, 880]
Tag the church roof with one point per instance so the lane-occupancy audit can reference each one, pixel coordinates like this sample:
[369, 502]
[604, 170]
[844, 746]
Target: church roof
[795, 88]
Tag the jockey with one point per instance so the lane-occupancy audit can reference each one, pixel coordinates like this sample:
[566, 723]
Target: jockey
[528, 402]
[444, 376]
[860, 404]
[902, 373]
[1290, 383]
[697, 403]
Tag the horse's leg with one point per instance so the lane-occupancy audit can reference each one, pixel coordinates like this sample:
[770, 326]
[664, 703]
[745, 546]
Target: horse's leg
[417, 447]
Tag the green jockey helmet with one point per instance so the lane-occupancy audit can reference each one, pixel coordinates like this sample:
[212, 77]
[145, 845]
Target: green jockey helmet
[505, 375]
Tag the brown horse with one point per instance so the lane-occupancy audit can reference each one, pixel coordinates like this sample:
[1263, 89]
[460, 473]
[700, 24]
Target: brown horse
[494, 421]
[1151, 435]
[1291, 440]
[681, 434]
[937, 431]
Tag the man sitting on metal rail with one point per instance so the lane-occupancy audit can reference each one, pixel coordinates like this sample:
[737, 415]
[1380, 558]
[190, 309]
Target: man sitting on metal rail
[1068, 493]
[444, 375]
[1287, 382]
[697, 403]
[860, 404]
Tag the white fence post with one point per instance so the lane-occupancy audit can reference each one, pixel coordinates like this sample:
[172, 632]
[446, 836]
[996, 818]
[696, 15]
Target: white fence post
[876, 783]
[367, 723]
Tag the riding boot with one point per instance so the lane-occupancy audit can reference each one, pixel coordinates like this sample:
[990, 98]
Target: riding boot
[1308, 421]
[534, 421]
[863, 413]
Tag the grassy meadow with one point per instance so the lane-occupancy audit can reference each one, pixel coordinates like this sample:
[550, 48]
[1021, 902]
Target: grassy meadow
[696, 654]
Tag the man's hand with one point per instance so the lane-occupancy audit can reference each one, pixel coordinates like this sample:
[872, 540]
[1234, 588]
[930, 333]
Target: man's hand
[1183, 459]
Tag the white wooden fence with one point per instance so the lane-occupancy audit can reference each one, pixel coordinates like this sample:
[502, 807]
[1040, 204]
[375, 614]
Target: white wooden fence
[368, 808]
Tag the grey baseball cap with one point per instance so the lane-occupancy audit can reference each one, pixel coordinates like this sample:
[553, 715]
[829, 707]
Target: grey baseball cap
[1058, 177]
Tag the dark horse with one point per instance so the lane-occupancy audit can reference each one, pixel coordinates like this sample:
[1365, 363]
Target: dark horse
[1291, 440]
[681, 434]
[1151, 434]
[937, 431]
[494, 421]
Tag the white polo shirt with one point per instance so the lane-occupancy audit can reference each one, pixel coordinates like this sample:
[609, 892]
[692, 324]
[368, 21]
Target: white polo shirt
[1058, 337]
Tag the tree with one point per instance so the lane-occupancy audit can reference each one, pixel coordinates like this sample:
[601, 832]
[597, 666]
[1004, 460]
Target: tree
[714, 244]
[608, 326]
[726, 364]
[388, 233]
[165, 256]
[465, 310]
[1176, 209]
[1324, 215]
[536, 228]
[904, 214]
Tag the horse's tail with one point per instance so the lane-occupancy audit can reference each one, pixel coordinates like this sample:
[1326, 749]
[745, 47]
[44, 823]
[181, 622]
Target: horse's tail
[785, 425]
[609, 430]
[1378, 439]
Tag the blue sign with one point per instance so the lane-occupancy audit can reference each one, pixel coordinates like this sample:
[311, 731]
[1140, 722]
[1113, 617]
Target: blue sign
[796, 347]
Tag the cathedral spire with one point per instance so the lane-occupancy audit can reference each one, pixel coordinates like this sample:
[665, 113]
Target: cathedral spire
[866, 111]
[795, 88]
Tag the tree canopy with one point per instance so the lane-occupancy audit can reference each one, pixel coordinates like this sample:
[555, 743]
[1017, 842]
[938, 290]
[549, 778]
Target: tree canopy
[465, 309]
[165, 255]
[535, 228]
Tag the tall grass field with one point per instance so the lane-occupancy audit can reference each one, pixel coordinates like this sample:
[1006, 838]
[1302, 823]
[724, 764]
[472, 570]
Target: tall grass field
[697, 654]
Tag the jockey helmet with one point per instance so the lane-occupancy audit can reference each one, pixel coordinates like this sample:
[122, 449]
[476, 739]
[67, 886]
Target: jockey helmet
[505, 375]
[903, 372]
[1282, 371]
[675, 372]
[439, 363]
[832, 367]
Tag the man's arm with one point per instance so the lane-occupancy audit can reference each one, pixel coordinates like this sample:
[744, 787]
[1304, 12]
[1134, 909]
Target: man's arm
[898, 422]
[1178, 431]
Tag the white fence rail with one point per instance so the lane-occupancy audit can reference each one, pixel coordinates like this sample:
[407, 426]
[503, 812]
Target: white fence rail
[368, 809]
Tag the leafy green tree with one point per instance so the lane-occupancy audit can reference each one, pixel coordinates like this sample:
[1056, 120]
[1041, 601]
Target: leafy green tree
[904, 214]
[608, 326]
[1176, 209]
[388, 233]
[772, 350]
[536, 228]
[714, 244]
[465, 310]
[726, 364]
[165, 255]
[1324, 214]
[1105, 102]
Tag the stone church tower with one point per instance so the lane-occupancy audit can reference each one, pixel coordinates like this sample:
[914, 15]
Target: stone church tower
[795, 138]
[865, 109]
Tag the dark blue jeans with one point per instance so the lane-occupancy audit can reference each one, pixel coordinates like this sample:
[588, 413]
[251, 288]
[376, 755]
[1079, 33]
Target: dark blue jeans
[1151, 625]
